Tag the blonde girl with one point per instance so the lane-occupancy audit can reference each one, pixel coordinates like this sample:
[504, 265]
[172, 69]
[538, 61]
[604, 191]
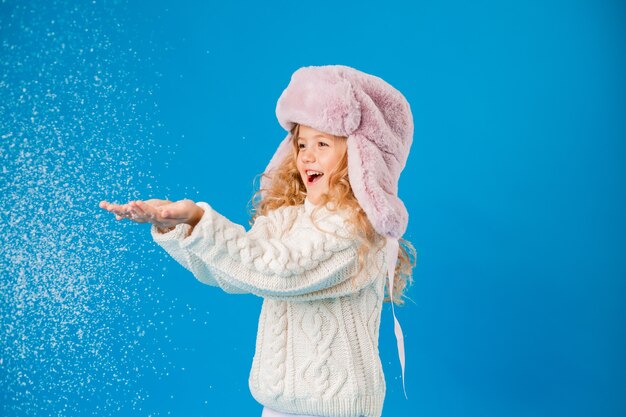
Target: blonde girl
[323, 249]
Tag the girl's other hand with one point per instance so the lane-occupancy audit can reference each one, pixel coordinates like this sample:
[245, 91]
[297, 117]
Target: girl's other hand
[164, 214]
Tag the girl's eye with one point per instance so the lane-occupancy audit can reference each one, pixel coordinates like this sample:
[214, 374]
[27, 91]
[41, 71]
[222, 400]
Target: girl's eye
[300, 145]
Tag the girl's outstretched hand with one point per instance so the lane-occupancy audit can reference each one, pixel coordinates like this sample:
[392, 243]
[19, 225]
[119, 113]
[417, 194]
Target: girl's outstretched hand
[164, 214]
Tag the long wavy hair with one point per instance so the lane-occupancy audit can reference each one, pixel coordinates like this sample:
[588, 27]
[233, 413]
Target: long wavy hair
[288, 189]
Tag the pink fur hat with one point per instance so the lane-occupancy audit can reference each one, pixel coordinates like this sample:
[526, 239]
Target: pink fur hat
[377, 120]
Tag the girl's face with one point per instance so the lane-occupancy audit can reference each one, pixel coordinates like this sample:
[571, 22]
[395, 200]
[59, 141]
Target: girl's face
[318, 152]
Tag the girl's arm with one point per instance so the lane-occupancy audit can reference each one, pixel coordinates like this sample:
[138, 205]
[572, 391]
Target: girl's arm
[306, 264]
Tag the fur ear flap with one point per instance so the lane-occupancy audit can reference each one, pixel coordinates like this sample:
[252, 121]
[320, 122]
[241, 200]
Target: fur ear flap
[374, 187]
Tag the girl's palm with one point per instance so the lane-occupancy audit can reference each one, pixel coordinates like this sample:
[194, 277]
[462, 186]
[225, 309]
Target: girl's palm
[164, 214]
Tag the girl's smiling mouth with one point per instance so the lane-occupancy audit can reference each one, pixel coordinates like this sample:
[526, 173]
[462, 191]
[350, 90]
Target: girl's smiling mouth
[313, 176]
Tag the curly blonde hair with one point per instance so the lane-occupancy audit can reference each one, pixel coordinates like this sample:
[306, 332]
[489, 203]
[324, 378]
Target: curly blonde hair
[288, 189]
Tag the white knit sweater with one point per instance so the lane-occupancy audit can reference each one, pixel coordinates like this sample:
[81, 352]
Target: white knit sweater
[317, 340]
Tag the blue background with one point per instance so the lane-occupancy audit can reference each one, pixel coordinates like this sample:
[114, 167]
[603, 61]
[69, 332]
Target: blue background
[514, 185]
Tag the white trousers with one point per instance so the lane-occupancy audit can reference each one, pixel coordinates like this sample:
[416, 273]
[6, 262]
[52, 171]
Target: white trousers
[268, 412]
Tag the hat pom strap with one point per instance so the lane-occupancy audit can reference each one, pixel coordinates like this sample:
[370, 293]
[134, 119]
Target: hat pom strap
[392, 249]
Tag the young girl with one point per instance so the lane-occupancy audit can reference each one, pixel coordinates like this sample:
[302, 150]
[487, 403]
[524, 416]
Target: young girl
[324, 237]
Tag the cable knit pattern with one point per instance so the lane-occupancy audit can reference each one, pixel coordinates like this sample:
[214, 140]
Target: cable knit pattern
[317, 338]
[276, 339]
[317, 368]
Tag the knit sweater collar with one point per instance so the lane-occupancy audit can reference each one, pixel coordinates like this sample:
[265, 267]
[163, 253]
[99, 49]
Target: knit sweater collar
[308, 205]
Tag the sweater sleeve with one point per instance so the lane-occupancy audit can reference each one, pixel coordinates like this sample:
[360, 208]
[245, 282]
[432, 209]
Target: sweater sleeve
[265, 261]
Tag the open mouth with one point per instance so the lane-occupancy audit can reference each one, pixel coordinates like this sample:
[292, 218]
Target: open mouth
[314, 177]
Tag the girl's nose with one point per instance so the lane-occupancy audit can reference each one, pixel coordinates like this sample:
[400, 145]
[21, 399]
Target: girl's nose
[307, 156]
